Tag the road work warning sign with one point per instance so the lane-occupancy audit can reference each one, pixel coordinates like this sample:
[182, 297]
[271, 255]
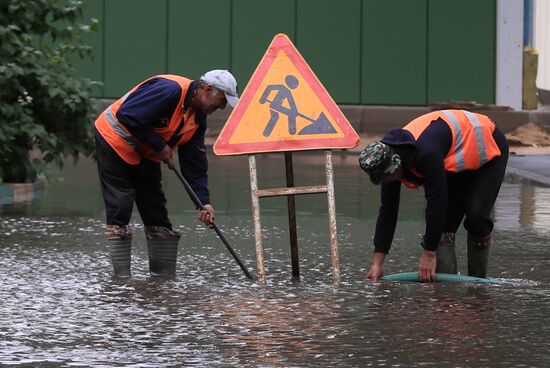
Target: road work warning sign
[284, 107]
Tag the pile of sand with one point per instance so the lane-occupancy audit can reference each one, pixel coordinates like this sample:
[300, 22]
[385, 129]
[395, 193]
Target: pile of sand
[530, 134]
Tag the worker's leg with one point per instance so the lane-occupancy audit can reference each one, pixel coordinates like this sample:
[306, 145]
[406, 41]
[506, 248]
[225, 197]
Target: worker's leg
[162, 247]
[485, 187]
[478, 255]
[150, 198]
[120, 249]
[162, 240]
[446, 254]
[479, 224]
[117, 184]
[118, 194]
[456, 207]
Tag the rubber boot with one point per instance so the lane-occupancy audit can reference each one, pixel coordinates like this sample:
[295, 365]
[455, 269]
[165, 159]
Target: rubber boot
[446, 255]
[478, 255]
[120, 249]
[162, 247]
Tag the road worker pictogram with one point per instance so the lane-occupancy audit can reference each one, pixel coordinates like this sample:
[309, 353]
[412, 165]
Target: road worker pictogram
[284, 107]
[277, 107]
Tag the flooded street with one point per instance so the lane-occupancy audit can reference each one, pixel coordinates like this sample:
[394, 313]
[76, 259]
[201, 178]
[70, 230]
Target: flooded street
[59, 305]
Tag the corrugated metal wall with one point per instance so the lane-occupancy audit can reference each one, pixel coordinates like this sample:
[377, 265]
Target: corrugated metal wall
[396, 52]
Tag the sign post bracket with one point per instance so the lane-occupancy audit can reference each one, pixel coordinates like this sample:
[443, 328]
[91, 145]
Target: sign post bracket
[290, 191]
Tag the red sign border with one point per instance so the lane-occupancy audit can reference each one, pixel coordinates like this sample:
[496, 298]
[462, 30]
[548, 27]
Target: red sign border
[282, 42]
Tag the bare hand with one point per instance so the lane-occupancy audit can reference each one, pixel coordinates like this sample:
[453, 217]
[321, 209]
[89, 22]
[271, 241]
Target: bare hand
[375, 272]
[207, 215]
[377, 268]
[426, 266]
[165, 155]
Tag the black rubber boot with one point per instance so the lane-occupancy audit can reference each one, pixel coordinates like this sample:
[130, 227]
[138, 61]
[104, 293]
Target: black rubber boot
[120, 249]
[478, 255]
[446, 255]
[162, 247]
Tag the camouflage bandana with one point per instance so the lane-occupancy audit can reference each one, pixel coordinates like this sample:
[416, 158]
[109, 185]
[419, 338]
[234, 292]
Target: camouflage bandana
[380, 161]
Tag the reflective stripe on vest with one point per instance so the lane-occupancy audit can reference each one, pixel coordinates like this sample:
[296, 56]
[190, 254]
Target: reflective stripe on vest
[459, 142]
[472, 144]
[129, 148]
[122, 133]
[481, 149]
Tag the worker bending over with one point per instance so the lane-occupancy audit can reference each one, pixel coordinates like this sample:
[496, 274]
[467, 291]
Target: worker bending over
[459, 157]
[138, 132]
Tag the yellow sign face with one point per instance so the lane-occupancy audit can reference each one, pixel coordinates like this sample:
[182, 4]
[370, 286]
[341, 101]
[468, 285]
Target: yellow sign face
[284, 108]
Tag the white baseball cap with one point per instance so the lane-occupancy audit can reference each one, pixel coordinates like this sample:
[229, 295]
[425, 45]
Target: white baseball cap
[224, 81]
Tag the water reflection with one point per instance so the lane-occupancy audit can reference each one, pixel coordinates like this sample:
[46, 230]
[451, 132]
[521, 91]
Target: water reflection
[60, 307]
[522, 205]
[456, 325]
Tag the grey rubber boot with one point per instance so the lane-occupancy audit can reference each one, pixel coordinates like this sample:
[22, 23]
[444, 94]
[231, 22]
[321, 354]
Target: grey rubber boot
[162, 247]
[120, 249]
[446, 255]
[478, 255]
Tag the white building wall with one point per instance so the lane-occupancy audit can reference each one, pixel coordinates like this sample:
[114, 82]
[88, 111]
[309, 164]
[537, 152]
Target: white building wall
[509, 53]
[541, 41]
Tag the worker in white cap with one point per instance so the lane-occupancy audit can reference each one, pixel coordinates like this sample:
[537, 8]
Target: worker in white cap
[134, 136]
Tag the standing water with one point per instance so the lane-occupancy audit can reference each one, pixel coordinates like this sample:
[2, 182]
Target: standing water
[59, 305]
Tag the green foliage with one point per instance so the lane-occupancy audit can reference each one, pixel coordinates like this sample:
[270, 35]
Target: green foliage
[45, 111]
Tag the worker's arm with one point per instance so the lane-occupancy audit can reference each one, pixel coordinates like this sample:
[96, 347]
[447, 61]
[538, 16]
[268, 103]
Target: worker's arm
[194, 167]
[194, 163]
[436, 193]
[434, 143]
[385, 227]
[387, 216]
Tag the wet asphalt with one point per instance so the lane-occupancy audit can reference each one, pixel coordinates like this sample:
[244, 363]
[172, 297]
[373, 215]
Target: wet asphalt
[535, 168]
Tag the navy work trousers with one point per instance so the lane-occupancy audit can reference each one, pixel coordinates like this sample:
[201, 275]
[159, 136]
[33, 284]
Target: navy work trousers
[123, 184]
[472, 193]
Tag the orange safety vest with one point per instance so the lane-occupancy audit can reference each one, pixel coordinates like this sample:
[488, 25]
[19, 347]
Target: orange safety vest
[126, 145]
[472, 146]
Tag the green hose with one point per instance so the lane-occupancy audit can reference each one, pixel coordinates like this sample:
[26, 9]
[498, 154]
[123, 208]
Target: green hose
[443, 277]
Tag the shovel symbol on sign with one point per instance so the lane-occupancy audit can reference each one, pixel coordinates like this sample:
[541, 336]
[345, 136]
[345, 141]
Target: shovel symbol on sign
[321, 125]
[277, 106]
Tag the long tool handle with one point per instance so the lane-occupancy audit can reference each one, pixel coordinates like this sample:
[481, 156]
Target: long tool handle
[199, 204]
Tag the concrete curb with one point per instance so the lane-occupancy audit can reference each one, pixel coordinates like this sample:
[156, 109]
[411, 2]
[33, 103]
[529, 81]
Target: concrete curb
[373, 119]
[378, 119]
[21, 192]
[528, 176]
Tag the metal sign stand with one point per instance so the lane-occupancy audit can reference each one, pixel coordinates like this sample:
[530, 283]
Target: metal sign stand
[290, 191]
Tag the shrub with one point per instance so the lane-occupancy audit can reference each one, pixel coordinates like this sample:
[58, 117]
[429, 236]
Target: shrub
[44, 108]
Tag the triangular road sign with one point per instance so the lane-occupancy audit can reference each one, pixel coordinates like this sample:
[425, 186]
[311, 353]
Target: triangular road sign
[284, 107]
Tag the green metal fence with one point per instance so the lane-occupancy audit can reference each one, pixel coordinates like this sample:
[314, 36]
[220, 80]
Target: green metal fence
[395, 52]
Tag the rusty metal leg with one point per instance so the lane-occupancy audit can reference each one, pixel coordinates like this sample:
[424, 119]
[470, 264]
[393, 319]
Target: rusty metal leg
[292, 217]
[332, 217]
[256, 218]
